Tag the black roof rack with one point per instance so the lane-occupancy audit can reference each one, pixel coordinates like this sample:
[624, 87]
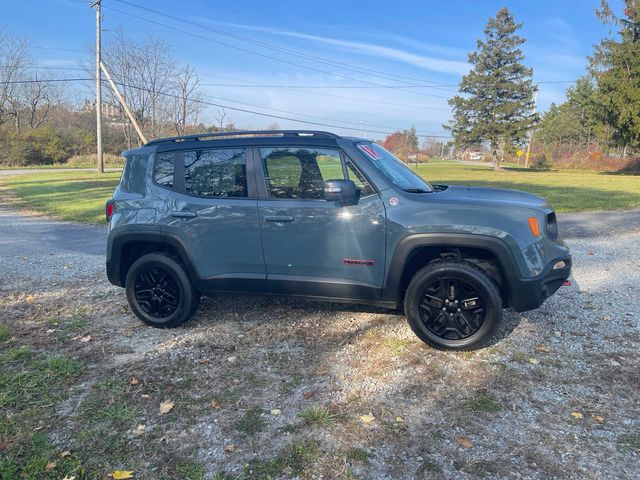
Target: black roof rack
[245, 133]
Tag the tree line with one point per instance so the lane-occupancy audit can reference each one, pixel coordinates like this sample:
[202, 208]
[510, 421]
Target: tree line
[41, 122]
[600, 117]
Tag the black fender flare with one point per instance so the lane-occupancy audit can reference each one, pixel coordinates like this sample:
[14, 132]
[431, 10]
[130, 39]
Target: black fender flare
[408, 244]
[118, 241]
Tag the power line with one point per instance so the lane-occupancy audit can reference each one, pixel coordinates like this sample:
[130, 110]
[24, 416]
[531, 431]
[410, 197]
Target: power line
[228, 107]
[270, 56]
[244, 110]
[268, 45]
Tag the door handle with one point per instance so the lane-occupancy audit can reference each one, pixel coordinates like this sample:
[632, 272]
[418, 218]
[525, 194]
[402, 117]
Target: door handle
[184, 214]
[278, 218]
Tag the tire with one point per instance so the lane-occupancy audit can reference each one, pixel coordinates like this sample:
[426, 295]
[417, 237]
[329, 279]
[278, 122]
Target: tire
[435, 317]
[160, 292]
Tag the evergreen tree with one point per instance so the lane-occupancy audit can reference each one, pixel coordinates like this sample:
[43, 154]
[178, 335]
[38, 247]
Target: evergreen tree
[496, 101]
[616, 68]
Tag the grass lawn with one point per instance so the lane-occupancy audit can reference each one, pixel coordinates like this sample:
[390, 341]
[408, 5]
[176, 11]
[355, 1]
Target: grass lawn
[80, 196]
[73, 195]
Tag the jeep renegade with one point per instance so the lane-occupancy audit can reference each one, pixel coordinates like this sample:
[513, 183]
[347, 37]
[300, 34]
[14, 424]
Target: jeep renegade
[317, 215]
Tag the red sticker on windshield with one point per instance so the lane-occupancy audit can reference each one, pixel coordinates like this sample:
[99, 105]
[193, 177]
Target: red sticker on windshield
[370, 152]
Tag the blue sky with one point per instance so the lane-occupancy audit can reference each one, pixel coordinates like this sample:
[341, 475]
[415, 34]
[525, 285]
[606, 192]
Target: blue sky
[404, 42]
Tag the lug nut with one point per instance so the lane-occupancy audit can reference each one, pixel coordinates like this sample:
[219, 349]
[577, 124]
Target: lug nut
[459, 310]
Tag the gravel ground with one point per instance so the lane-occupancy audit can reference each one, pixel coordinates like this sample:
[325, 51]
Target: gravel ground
[557, 398]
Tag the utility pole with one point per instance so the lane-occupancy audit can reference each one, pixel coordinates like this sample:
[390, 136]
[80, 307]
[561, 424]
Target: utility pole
[96, 4]
[526, 158]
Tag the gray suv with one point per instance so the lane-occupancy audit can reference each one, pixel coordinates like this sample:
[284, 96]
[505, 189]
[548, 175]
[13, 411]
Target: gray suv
[316, 215]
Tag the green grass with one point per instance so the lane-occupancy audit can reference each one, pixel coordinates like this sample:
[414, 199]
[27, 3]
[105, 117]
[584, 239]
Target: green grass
[5, 333]
[295, 458]
[320, 416]
[80, 196]
[566, 190]
[482, 402]
[75, 196]
[251, 422]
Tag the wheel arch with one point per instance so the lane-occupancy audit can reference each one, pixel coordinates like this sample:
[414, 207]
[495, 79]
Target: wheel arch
[126, 248]
[412, 253]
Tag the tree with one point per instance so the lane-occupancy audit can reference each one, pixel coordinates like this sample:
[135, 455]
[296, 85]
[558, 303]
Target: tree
[496, 99]
[187, 104]
[615, 66]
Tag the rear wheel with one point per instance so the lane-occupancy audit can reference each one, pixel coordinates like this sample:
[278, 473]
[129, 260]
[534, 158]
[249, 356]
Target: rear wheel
[159, 291]
[453, 305]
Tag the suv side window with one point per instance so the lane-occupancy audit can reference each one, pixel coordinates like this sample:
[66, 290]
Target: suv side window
[216, 172]
[299, 173]
[163, 169]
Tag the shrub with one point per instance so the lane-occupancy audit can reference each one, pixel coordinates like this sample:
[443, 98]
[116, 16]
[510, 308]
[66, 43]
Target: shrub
[89, 160]
[542, 162]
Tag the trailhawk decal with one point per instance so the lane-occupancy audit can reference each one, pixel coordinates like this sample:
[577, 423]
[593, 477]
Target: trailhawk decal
[354, 261]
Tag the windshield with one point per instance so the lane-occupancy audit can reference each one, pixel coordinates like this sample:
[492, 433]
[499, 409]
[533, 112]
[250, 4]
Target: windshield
[393, 168]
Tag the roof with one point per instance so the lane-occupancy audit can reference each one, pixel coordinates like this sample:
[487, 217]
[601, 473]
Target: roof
[244, 134]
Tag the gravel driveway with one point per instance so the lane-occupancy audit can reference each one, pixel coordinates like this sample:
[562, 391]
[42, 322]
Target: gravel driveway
[300, 389]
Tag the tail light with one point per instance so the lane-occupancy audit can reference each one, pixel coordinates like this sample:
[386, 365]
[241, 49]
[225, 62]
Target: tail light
[110, 209]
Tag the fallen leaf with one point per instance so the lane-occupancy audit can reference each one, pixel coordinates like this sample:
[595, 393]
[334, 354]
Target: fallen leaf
[145, 396]
[216, 404]
[542, 348]
[85, 339]
[308, 395]
[533, 361]
[122, 474]
[139, 430]
[232, 359]
[64, 454]
[166, 406]
[29, 299]
[51, 330]
[229, 448]
[598, 418]
[134, 381]
[276, 411]
[368, 418]
[399, 420]
[50, 466]
[576, 415]
[203, 362]
[463, 442]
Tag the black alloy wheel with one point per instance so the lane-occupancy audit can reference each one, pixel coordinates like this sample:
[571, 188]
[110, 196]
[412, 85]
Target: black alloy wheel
[160, 292]
[157, 292]
[451, 308]
[454, 305]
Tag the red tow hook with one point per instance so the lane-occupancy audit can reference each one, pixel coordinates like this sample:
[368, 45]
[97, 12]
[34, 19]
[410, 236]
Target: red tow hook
[566, 283]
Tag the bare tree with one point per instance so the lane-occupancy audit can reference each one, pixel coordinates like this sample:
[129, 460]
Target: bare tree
[156, 68]
[38, 96]
[13, 65]
[220, 116]
[187, 100]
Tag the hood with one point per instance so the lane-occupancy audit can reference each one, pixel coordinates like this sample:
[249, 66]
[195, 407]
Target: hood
[505, 197]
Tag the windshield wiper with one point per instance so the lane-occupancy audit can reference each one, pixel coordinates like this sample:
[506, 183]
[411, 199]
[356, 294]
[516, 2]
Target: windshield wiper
[416, 190]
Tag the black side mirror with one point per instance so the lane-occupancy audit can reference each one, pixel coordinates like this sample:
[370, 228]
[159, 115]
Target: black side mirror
[343, 191]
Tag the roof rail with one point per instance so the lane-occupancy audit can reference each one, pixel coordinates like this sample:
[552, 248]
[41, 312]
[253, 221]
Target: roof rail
[245, 133]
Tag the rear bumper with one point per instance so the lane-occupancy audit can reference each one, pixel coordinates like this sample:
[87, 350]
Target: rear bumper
[530, 293]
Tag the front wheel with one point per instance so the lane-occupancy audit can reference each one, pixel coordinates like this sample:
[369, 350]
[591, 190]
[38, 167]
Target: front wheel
[453, 305]
[159, 291]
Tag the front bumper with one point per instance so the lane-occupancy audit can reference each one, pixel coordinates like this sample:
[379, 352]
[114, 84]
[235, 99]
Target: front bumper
[530, 293]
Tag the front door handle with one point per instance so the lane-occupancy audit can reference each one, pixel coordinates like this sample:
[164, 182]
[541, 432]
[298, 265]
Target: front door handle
[184, 214]
[278, 218]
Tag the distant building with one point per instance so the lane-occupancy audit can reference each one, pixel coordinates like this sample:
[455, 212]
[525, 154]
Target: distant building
[109, 110]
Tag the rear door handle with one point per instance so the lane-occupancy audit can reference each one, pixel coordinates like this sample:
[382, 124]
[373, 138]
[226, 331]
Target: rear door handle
[278, 218]
[184, 214]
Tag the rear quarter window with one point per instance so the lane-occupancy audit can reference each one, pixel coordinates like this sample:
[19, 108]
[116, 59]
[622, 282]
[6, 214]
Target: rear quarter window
[135, 169]
[164, 168]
